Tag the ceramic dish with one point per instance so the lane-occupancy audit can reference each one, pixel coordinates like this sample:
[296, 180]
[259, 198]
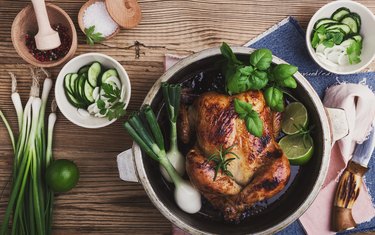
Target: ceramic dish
[68, 110]
[281, 211]
[367, 31]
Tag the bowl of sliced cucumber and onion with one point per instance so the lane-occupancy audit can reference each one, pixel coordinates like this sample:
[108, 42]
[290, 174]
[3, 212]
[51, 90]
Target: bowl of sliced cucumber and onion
[340, 37]
[92, 90]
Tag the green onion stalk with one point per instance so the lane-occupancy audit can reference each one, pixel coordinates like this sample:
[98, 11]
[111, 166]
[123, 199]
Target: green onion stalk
[172, 94]
[145, 131]
[30, 198]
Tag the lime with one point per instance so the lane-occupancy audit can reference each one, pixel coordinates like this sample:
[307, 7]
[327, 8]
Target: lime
[298, 148]
[295, 117]
[62, 175]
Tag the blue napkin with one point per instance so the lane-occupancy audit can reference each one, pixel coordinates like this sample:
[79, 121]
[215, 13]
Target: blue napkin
[286, 40]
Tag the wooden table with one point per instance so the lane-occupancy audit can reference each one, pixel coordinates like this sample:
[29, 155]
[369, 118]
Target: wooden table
[102, 203]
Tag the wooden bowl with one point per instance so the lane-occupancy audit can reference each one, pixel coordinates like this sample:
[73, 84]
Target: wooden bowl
[82, 12]
[25, 22]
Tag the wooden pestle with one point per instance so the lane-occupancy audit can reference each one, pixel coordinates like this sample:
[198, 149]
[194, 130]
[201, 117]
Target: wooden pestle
[46, 38]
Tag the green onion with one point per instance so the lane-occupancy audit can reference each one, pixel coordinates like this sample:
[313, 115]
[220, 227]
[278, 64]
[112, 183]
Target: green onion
[172, 94]
[31, 201]
[147, 134]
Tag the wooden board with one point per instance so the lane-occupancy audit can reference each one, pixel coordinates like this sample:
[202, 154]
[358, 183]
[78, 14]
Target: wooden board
[102, 204]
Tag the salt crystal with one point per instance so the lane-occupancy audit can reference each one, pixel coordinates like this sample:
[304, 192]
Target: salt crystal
[97, 15]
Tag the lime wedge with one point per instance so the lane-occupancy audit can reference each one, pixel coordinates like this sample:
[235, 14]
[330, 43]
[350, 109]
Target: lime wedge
[298, 148]
[295, 117]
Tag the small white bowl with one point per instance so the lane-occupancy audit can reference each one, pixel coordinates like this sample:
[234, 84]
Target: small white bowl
[68, 110]
[367, 32]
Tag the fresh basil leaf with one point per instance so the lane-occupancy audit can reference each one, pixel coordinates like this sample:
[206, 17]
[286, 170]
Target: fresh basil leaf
[274, 98]
[227, 52]
[246, 70]
[242, 108]
[279, 106]
[283, 71]
[254, 124]
[233, 83]
[261, 59]
[289, 82]
[354, 52]
[258, 80]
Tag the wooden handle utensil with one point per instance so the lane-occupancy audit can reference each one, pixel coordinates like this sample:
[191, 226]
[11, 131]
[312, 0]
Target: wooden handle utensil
[346, 194]
[46, 38]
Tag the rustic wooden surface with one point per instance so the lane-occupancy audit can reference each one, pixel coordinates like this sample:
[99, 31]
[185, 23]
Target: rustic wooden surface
[101, 203]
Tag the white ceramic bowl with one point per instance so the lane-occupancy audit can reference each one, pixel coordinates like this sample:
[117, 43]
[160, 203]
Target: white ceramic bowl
[68, 110]
[367, 32]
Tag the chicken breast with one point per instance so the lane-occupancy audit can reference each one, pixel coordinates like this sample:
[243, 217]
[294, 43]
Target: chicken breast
[259, 168]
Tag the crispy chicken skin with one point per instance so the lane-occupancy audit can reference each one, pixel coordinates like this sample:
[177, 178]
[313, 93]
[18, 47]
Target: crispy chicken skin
[261, 170]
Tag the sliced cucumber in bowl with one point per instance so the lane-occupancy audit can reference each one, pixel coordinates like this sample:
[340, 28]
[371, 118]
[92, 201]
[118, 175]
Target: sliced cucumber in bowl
[94, 73]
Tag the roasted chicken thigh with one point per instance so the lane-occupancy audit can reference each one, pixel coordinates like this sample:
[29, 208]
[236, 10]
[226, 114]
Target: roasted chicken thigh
[261, 169]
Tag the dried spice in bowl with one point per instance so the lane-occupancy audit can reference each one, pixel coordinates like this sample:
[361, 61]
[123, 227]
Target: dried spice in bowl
[54, 54]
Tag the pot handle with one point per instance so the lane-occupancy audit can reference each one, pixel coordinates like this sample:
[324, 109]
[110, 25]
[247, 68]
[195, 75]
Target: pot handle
[338, 123]
[126, 166]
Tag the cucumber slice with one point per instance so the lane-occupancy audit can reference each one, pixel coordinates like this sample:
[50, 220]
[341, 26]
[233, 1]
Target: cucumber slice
[357, 37]
[67, 82]
[347, 42]
[109, 73]
[324, 21]
[114, 81]
[343, 27]
[88, 91]
[358, 19]
[93, 73]
[73, 101]
[84, 69]
[72, 85]
[351, 22]
[340, 13]
[79, 94]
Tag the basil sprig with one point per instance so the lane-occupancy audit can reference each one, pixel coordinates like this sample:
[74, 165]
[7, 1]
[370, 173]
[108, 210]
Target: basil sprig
[259, 74]
[245, 111]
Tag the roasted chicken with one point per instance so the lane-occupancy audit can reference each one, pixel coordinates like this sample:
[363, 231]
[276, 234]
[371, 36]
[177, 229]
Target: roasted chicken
[261, 169]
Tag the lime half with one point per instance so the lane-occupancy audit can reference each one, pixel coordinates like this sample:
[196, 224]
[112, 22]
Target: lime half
[295, 117]
[298, 148]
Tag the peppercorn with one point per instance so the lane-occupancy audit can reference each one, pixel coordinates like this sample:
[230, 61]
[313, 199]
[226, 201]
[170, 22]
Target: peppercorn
[54, 54]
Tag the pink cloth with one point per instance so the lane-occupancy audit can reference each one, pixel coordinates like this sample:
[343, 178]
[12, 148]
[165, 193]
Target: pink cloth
[358, 102]
[360, 115]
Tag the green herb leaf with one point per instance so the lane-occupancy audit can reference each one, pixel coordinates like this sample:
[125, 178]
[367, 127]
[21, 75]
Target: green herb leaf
[246, 70]
[354, 52]
[289, 82]
[254, 124]
[113, 95]
[116, 111]
[100, 104]
[261, 59]
[221, 162]
[227, 52]
[328, 43]
[252, 120]
[274, 98]
[284, 71]
[242, 108]
[258, 80]
[92, 37]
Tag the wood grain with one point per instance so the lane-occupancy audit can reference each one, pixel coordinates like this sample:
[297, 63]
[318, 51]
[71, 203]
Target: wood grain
[102, 204]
